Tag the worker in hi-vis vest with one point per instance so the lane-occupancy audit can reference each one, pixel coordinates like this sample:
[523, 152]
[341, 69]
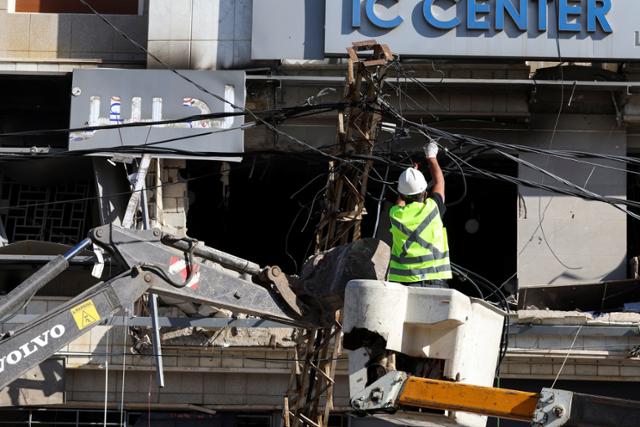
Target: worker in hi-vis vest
[420, 251]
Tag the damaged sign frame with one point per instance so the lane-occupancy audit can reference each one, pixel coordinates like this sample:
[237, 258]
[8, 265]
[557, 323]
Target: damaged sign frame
[106, 97]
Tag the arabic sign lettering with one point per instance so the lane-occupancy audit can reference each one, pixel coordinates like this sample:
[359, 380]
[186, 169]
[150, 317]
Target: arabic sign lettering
[115, 97]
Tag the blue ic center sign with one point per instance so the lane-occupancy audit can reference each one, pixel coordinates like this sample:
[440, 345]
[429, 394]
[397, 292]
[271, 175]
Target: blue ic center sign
[570, 15]
[516, 29]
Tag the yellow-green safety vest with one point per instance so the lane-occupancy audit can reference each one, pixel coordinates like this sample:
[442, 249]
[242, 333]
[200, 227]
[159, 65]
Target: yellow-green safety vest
[420, 248]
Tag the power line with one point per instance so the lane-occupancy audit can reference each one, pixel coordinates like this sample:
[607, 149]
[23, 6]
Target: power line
[278, 115]
[202, 88]
[615, 202]
[122, 193]
[579, 191]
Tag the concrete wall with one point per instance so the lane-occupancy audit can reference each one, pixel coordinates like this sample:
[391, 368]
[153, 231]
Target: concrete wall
[200, 34]
[579, 241]
[28, 38]
[231, 390]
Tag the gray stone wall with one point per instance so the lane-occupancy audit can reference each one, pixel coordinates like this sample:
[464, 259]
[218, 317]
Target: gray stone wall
[240, 390]
[580, 241]
[47, 37]
[200, 34]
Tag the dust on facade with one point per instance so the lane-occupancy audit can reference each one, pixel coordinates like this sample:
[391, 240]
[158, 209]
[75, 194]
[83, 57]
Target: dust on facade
[276, 131]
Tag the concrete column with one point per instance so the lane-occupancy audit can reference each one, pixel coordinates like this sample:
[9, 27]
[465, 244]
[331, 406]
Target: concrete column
[563, 239]
[168, 198]
[200, 34]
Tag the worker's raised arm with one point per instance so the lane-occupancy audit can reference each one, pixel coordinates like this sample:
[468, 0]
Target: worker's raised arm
[431, 150]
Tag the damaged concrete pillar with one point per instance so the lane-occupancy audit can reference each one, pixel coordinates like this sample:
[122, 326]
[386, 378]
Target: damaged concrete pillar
[168, 196]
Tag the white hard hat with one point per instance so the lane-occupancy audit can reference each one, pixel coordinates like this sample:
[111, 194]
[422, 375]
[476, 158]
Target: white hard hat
[411, 182]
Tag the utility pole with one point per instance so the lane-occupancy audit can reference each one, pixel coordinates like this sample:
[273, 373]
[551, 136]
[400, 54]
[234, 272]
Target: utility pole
[313, 379]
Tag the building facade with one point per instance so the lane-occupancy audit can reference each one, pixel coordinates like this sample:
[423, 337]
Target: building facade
[554, 92]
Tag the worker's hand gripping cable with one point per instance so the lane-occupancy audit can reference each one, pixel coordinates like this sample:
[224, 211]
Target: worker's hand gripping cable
[431, 149]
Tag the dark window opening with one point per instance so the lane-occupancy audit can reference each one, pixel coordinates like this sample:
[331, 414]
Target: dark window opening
[32, 103]
[193, 419]
[264, 217]
[338, 420]
[482, 228]
[40, 200]
[91, 417]
[44, 209]
[258, 218]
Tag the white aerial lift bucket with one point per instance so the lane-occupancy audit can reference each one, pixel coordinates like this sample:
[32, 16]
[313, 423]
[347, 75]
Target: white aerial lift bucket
[428, 323]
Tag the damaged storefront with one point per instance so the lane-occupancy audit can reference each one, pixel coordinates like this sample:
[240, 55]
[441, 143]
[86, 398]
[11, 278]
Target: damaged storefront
[236, 150]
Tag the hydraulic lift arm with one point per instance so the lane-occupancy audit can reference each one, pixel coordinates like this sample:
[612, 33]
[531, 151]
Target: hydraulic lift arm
[161, 264]
[549, 408]
[37, 341]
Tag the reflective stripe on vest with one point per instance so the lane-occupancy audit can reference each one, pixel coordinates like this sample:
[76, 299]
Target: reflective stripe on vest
[420, 248]
[420, 272]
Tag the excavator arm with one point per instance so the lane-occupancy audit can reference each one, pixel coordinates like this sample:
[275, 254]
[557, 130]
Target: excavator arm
[151, 262]
[190, 271]
[41, 339]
